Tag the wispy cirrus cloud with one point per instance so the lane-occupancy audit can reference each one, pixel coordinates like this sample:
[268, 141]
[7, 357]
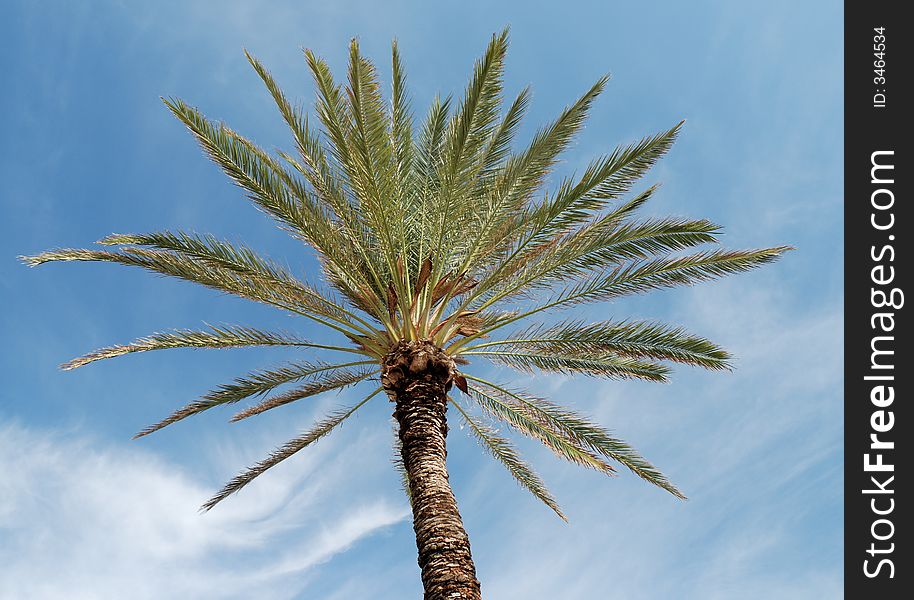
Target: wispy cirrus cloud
[83, 519]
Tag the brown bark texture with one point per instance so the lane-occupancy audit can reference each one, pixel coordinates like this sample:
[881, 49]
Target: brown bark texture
[417, 376]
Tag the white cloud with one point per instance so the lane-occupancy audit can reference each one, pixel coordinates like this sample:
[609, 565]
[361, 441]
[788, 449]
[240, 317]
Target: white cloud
[81, 519]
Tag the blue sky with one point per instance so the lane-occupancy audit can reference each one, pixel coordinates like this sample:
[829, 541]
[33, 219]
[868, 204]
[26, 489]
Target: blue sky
[88, 149]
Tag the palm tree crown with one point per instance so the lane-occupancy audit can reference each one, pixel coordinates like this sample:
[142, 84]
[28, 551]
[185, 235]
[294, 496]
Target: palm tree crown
[440, 233]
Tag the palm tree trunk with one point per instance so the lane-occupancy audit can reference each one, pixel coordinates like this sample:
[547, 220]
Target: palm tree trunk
[417, 377]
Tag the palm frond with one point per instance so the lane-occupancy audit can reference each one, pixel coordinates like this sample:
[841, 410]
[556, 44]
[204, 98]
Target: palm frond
[644, 276]
[331, 381]
[319, 430]
[502, 450]
[339, 126]
[330, 188]
[561, 360]
[401, 130]
[373, 156]
[596, 438]
[226, 336]
[247, 263]
[458, 146]
[331, 110]
[519, 417]
[180, 267]
[665, 272]
[605, 243]
[604, 179]
[279, 194]
[580, 431]
[246, 168]
[498, 148]
[258, 384]
[473, 121]
[636, 339]
[428, 165]
[503, 221]
[315, 166]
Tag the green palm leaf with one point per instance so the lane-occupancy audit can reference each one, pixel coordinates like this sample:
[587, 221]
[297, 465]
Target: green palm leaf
[319, 430]
[259, 383]
[603, 244]
[667, 272]
[501, 406]
[637, 339]
[226, 336]
[245, 262]
[604, 179]
[263, 382]
[578, 430]
[247, 168]
[569, 363]
[502, 450]
[331, 381]
[645, 276]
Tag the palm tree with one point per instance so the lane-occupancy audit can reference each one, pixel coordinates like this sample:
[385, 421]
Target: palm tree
[434, 241]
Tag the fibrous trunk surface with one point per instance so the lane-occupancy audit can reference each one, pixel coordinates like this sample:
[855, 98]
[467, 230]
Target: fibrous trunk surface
[417, 376]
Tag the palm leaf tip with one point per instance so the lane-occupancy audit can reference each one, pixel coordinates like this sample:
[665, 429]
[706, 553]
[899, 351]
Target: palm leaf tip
[117, 239]
[57, 255]
[318, 431]
[503, 451]
[529, 419]
[30, 260]
[568, 434]
[218, 337]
